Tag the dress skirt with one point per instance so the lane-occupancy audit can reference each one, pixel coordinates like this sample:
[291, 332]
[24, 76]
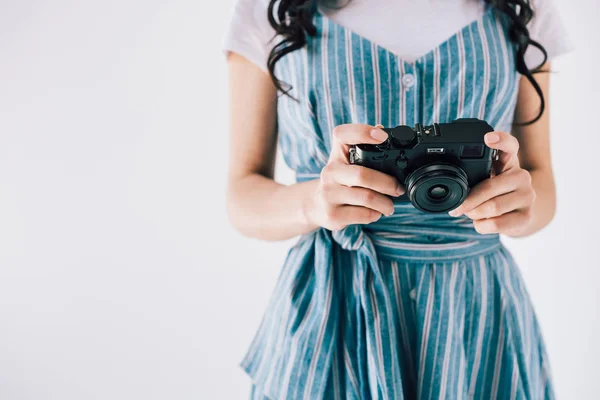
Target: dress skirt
[404, 329]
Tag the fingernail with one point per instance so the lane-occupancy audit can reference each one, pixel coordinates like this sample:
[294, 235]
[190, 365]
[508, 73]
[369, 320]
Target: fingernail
[399, 191]
[379, 134]
[454, 213]
[492, 138]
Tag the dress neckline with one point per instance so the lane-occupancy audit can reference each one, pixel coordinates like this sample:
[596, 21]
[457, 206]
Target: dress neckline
[420, 59]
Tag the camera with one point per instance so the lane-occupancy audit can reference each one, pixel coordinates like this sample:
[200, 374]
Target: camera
[437, 164]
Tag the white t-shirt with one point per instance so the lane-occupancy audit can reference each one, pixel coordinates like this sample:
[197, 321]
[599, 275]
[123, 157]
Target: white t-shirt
[409, 28]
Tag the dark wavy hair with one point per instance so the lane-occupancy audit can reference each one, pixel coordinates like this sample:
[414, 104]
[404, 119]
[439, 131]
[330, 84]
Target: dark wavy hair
[293, 21]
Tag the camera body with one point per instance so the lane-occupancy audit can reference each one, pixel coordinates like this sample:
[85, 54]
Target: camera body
[437, 164]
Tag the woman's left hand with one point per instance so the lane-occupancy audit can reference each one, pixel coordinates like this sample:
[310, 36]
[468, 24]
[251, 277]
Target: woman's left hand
[502, 203]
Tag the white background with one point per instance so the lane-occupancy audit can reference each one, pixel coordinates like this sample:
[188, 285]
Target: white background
[120, 277]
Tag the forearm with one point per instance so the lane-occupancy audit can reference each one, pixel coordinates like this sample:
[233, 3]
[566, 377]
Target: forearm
[261, 208]
[544, 206]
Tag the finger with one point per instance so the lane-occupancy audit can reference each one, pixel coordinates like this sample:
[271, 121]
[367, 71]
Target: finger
[349, 134]
[349, 215]
[511, 223]
[486, 190]
[357, 175]
[358, 196]
[503, 204]
[502, 141]
[508, 147]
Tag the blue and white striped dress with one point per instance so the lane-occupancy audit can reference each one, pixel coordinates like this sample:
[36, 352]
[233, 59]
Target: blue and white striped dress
[414, 306]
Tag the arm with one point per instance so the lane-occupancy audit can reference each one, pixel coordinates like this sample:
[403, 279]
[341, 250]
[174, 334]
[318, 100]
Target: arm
[258, 206]
[534, 150]
[520, 199]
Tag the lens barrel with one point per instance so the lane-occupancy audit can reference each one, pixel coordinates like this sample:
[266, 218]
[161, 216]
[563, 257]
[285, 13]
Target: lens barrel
[437, 188]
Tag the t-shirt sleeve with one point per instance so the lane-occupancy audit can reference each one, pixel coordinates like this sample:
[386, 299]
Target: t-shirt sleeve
[249, 32]
[547, 28]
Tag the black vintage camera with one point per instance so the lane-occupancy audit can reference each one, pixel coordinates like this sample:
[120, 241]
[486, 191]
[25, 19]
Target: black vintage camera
[437, 164]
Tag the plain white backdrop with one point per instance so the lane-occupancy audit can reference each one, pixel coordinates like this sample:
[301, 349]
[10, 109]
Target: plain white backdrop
[120, 277]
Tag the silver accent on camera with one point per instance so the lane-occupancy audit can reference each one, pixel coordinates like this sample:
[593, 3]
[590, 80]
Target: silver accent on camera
[435, 150]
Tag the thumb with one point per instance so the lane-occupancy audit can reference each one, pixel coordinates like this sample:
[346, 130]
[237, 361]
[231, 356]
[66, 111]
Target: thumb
[507, 146]
[351, 134]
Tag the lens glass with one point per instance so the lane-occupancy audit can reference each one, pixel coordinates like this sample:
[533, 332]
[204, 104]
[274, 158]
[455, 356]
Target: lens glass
[438, 192]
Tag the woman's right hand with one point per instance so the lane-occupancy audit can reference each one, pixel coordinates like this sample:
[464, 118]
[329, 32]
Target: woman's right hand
[349, 194]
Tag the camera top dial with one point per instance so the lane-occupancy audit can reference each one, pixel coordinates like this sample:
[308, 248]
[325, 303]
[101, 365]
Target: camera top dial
[404, 136]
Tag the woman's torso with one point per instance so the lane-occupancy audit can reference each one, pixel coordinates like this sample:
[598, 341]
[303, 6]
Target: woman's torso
[341, 77]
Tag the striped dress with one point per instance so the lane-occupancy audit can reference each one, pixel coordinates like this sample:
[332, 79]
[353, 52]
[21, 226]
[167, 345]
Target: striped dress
[415, 305]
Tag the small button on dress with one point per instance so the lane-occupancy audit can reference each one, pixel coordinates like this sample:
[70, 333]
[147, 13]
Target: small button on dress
[408, 80]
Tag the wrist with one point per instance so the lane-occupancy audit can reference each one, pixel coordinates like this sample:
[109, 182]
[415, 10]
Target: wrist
[307, 205]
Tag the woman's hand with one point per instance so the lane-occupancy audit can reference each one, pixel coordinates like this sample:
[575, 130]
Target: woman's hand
[349, 194]
[503, 203]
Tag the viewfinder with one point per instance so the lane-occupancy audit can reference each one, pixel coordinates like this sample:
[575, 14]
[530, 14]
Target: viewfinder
[472, 151]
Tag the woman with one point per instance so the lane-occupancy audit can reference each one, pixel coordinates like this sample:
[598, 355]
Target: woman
[378, 299]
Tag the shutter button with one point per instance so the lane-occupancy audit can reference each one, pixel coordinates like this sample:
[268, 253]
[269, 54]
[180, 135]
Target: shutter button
[408, 80]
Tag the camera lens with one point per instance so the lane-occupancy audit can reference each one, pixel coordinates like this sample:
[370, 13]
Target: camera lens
[438, 192]
[437, 188]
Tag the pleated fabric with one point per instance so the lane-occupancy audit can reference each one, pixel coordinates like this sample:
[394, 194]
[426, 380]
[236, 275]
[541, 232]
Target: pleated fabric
[415, 305]
[407, 330]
